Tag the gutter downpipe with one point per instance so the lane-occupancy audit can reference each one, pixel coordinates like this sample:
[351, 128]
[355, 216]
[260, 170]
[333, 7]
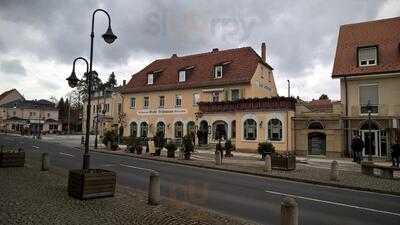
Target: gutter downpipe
[346, 120]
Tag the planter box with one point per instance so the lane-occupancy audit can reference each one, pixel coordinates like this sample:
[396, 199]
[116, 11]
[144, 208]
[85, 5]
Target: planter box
[12, 159]
[283, 161]
[92, 183]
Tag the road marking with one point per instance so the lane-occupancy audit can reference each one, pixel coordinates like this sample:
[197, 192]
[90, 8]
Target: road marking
[134, 167]
[107, 165]
[62, 153]
[35, 147]
[334, 203]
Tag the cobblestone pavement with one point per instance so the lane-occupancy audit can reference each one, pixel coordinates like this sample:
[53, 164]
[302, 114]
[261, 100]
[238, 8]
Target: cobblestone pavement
[29, 196]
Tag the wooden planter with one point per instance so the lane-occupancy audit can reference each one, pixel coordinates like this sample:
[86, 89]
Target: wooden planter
[92, 183]
[12, 159]
[283, 161]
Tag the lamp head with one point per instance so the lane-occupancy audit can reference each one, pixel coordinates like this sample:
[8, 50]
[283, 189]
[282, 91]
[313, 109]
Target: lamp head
[109, 36]
[72, 80]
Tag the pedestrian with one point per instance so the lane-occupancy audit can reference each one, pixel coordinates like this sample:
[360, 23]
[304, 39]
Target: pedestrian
[357, 146]
[396, 154]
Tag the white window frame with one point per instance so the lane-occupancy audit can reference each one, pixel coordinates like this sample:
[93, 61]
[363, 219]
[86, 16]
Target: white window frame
[133, 100]
[367, 60]
[215, 94]
[182, 75]
[235, 89]
[178, 97]
[216, 70]
[150, 79]
[359, 98]
[144, 102]
[196, 100]
[163, 101]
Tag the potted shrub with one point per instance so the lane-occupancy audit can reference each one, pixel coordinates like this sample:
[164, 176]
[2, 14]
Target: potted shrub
[131, 143]
[110, 140]
[188, 146]
[283, 161]
[159, 142]
[265, 148]
[171, 148]
[229, 148]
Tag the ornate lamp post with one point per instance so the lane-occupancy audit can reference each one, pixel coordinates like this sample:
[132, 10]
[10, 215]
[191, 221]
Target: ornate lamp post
[369, 109]
[108, 37]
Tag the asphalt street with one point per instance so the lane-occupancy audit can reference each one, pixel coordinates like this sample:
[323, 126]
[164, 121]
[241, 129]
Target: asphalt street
[250, 197]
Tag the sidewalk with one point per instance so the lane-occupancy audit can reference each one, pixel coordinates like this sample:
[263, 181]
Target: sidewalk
[29, 196]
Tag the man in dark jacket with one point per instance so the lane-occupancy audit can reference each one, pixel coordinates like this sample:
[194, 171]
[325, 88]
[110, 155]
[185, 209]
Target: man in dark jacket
[357, 146]
[396, 154]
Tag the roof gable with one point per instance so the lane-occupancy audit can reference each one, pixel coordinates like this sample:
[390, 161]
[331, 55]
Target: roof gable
[239, 66]
[385, 34]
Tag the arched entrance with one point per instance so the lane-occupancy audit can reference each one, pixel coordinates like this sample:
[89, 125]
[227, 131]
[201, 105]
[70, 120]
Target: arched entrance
[191, 130]
[316, 143]
[371, 139]
[220, 130]
[203, 133]
[161, 128]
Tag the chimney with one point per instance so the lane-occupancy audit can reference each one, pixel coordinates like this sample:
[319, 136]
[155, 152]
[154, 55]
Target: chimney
[263, 52]
[123, 82]
[174, 55]
[215, 50]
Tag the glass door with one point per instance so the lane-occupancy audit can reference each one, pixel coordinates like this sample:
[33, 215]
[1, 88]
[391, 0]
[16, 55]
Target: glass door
[374, 148]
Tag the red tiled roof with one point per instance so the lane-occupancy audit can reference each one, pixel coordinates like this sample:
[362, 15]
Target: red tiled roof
[239, 67]
[322, 105]
[383, 33]
[4, 94]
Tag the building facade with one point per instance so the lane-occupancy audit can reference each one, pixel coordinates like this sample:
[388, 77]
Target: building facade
[367, 62]
[30, 117]
[178, 96]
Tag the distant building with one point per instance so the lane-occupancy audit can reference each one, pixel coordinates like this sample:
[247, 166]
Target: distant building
[28, 116]
[367, 62]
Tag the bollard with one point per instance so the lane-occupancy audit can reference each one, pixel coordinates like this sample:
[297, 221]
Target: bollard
[334, 176]
[45, 161]
[218, 158]
[289, 212]
[154, 189]
[108, 145]
[268, 165]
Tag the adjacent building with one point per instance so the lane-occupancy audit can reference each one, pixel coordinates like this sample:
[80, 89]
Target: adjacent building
[367, 62]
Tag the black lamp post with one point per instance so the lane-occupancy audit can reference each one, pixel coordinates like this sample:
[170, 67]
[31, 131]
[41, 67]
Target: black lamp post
[369, 109]
[108, 37]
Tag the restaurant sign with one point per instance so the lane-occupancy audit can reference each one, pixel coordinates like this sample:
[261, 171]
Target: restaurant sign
[148, 112]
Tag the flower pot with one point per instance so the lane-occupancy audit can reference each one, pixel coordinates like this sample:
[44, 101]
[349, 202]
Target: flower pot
[12, 159]
[92, 183]
[170, 154]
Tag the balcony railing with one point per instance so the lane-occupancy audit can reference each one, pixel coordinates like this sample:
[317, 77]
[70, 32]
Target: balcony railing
[254, 104]
[380, 110]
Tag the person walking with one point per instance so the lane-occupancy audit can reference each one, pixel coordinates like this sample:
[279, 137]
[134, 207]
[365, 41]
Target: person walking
[357, 146]
[396, 154]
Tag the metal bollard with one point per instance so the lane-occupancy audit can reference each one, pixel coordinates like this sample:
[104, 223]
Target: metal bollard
[268, 165]
[334, 176]
[218, 158]
[289, 212]
[154, 189]
[45, 161]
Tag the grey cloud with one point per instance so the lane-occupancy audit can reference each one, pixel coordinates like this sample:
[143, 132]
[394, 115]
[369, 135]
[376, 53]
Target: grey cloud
[297, 32]
[48, 84]
[12, 67]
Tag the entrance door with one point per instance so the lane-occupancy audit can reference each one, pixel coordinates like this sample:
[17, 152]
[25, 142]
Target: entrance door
[316, 143]
[374, 148]
[203, 139]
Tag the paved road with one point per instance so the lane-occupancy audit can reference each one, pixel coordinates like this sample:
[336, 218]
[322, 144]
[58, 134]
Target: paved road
[250, 197]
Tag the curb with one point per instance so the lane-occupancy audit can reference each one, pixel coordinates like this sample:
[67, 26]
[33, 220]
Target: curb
[257, 174]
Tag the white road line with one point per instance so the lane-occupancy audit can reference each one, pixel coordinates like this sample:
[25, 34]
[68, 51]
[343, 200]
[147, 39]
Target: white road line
[107, 165]
[62, 153]
[134, 167]
[334, 203]
[35, 147]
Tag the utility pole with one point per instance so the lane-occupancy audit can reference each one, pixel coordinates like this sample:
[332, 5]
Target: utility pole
[288, 88]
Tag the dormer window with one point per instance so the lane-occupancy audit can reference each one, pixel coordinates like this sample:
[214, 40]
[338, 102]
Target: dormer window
[150, 78]
[182, 76]
[368, 56]
[218, 71]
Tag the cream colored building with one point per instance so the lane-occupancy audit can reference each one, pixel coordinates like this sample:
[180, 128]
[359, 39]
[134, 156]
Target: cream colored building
[178, 95]
[367, 63]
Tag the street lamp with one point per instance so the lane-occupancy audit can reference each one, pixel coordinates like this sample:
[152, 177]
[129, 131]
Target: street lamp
[369, 109]
[73, 82]
[109, 37]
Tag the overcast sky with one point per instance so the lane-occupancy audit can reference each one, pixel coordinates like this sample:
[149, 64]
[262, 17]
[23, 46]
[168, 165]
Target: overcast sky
[39, 39]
